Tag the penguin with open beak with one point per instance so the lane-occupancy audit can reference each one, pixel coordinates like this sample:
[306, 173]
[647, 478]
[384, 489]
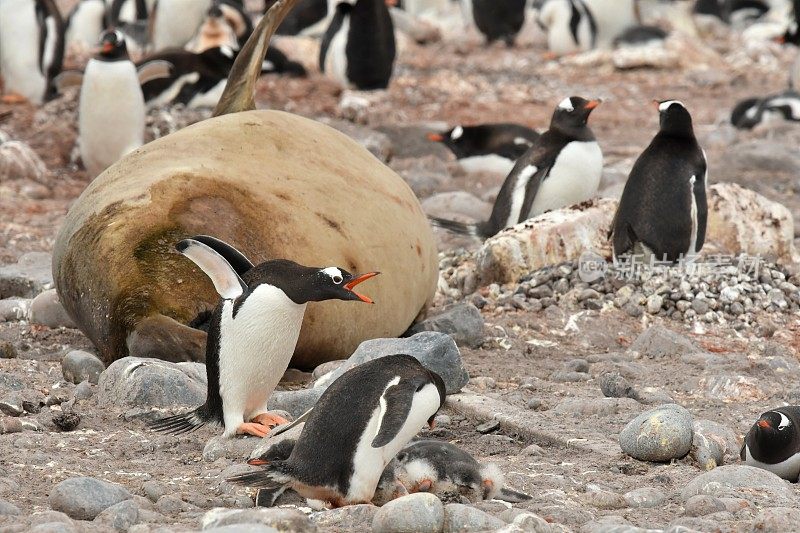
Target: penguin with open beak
[357, 426]
[253, 332]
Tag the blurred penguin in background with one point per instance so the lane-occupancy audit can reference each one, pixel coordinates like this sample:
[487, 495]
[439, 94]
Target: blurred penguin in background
[31, 49]
[175, 22]
[497, 20]
[85, 23]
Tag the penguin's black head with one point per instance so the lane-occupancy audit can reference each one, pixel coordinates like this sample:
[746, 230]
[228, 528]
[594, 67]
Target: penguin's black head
[675, 118]
[439, 382]
[214, 12]
[458, 139]
[112, 46]
[774, 425]
[572, 113]
[304, 284]
[773, 437]
[745, 114]
[334, 283]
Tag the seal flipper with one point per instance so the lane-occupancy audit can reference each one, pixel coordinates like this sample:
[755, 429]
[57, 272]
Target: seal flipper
[161, 337]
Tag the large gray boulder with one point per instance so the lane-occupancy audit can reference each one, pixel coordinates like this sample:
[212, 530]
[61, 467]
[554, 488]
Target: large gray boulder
[142, 382]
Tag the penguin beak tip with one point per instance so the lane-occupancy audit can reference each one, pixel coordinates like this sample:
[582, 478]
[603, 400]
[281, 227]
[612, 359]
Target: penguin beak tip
[360, 279]
[763, 424]
[435, 137]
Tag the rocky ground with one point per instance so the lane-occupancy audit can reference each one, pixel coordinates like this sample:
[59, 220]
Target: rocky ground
[560, 368]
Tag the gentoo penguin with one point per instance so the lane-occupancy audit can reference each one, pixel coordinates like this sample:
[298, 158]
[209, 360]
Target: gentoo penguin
[253, 332]
[358, 48]
[487, 147]
[111, 110]
[640, 36]
[85, 23]
[563, 167]
[734, 12]
[31, 49]
[773, 443]
[348, 439]
[122, 12]
[611, 18]
[751, 112]
[305, 15]
[498, 19]
[662, 211]
[215, 31]
[173, 23]
[449, 472]
[569, 25]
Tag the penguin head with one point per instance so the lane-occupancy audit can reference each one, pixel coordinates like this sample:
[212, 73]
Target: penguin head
[492, 480]
[745, 114]
[112, 46]
[572, 113]
[674, 118]
[775, 429]
[304, 284]
[467, 481]
[458, 139]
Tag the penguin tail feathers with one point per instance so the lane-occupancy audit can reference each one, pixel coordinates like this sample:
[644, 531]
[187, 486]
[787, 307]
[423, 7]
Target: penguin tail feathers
[178, 424]
[453, 226]
[272, 477]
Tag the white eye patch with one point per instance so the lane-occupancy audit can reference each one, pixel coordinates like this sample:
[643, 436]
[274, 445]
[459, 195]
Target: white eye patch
[663, 106]
[334, 273]
[566, 105]
[785, 422]
[457, 132]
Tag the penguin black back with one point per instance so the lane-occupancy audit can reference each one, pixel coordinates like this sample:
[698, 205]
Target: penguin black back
[52, 44]
[500, 138]
[499, 19]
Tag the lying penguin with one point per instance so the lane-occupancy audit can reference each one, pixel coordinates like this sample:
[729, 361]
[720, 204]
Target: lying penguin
[773, 443]
[348, 439]
[450, 473]
[662, 212]
[784, 106]
[487, 147]
[253, 332]
[562, 168]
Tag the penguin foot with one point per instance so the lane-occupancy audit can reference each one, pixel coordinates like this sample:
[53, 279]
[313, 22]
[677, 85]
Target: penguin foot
[13, 98]
[251, 428]
[269, 419]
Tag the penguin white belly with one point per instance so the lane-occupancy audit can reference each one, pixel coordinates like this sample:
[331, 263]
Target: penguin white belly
[255, 349]
[788, 469]
[86, 26]
[369, 462]
[612, 18]
[693, 216]
[574, 178]
[493, 163]
[19, 50]
[336, 57]
[210, 98]
[176, 22]
[792, 103]
[111, 113]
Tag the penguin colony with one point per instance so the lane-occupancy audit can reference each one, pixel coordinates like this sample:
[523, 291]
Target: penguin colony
[253, 330]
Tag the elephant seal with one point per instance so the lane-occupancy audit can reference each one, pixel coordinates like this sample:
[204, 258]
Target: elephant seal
[273, 185]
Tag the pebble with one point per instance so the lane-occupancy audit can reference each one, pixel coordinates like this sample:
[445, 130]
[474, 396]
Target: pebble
[8, 509]
[657, 341]
[527, 522]
[645, 497]
[154, 489]
[537, 404]
[29, 276]
[49, 517]
[238, 449]
[78, 366]
[83, 498]
[66, 420]
[755, 485]
[602, 498]
[53, 527]
[463, 322]
[613, 385]
[239, 528]
[11, 405]
[46, 309]
[120, 516]
[702, 505]
[7, 350]
[561, 376]
[459, 517]
[349, 518]
[294, 402]
[324, 368]
[416, 513]
[659, 435]
[776, 519]
[83, 391]
[532, 450]
[143, 382]
[436, 351]
[714, 444]
[488, 427]
[281, 519]
[654, 303]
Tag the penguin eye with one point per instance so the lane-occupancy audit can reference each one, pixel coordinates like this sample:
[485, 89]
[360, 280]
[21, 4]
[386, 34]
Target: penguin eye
[337, 279]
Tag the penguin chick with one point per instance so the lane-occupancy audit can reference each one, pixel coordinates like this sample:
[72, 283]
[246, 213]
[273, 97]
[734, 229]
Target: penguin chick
[348, 439]
[562, 168]
[487, 147]
[773, 443]
[253, 332]
[662, 212]
[451, 473]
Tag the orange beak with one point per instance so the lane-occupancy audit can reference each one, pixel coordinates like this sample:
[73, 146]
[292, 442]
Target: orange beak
[764, 424]
[435, 137]
[591, 104]
[257, 462]
[360, 279]
[656, 103]
[107, 47]
[781, 39]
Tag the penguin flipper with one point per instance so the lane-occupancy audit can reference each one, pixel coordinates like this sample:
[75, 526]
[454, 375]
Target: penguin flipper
[461, 228]
[286, 427]
[275, 475]
[268, 497]
[224, 277]
[154, 70]
[395, 405]
[178, 424]
[234, 257]
[512, 496]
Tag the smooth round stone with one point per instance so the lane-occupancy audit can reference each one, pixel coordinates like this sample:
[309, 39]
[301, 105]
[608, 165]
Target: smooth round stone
[78, 366]
[776, 519]
[120, 517]
[416, 513]
[47, 310]
[659, 435]
[755, 485]
[702, 505]
[83, 498]
[8, 509]
[645, 497]
[463, 518]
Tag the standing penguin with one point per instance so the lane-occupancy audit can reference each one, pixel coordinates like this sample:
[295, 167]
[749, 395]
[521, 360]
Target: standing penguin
[563, 167]
[85, 24]
[358, 48]
[449, 472]
[111, 111]
[569, 25]
[773, 443]
[253, 332]
[663, 209]
[487, 147]
[31, 49]
[348, 438]
[173, 23]
[498, 19]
